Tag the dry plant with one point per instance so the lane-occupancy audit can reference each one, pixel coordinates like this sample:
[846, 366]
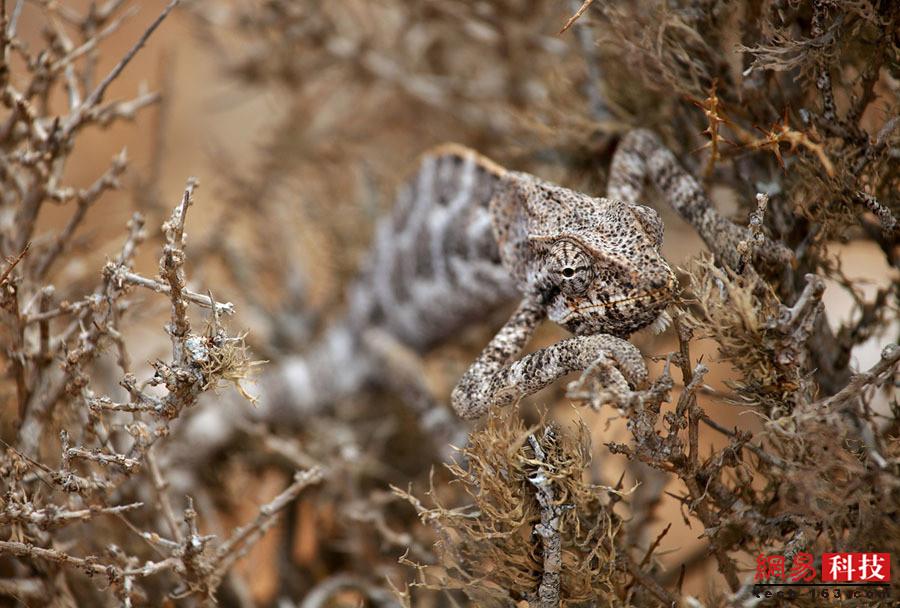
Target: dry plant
[520, 480]
[85, 510]
[789, 109]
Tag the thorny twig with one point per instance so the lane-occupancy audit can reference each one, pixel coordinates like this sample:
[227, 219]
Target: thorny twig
[580, 10]
[96, 96]
[188, 295]
[170, 266]
[245, 536]
[881, 372]
[548, 529]
[806, 469]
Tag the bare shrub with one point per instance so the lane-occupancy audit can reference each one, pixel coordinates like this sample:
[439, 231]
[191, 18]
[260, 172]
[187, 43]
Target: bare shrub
[133, 484]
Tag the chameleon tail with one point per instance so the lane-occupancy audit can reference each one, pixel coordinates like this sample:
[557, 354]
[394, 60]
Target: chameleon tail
[289, 391]
[335, 367]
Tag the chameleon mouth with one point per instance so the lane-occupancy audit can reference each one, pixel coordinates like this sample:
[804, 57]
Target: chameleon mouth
[653, 296]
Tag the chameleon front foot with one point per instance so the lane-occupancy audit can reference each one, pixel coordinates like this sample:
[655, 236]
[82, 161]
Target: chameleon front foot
[489, 384]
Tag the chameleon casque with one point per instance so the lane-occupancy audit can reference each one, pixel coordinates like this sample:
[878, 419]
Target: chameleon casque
[467, 236]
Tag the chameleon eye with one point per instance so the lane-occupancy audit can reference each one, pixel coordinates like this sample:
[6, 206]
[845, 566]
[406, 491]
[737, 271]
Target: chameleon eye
[572, 266]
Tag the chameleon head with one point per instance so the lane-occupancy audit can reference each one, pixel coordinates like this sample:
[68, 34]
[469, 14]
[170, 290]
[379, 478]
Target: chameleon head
[594, 262]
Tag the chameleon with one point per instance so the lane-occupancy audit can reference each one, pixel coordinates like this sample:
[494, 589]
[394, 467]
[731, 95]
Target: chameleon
[467, 236]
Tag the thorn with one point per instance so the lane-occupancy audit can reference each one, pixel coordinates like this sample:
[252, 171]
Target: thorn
[581, 10]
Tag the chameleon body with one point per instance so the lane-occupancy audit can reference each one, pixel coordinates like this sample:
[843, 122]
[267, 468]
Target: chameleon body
[467, 236]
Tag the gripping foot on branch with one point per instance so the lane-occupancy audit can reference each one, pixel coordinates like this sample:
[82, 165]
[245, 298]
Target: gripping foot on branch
[641, 156]
[496, 379]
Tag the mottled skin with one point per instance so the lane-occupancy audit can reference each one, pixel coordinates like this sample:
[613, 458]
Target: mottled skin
[467, 237]
[591, 265]
[641, 157]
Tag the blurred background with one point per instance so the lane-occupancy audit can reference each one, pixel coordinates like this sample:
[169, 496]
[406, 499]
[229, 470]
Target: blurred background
[300, 120]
